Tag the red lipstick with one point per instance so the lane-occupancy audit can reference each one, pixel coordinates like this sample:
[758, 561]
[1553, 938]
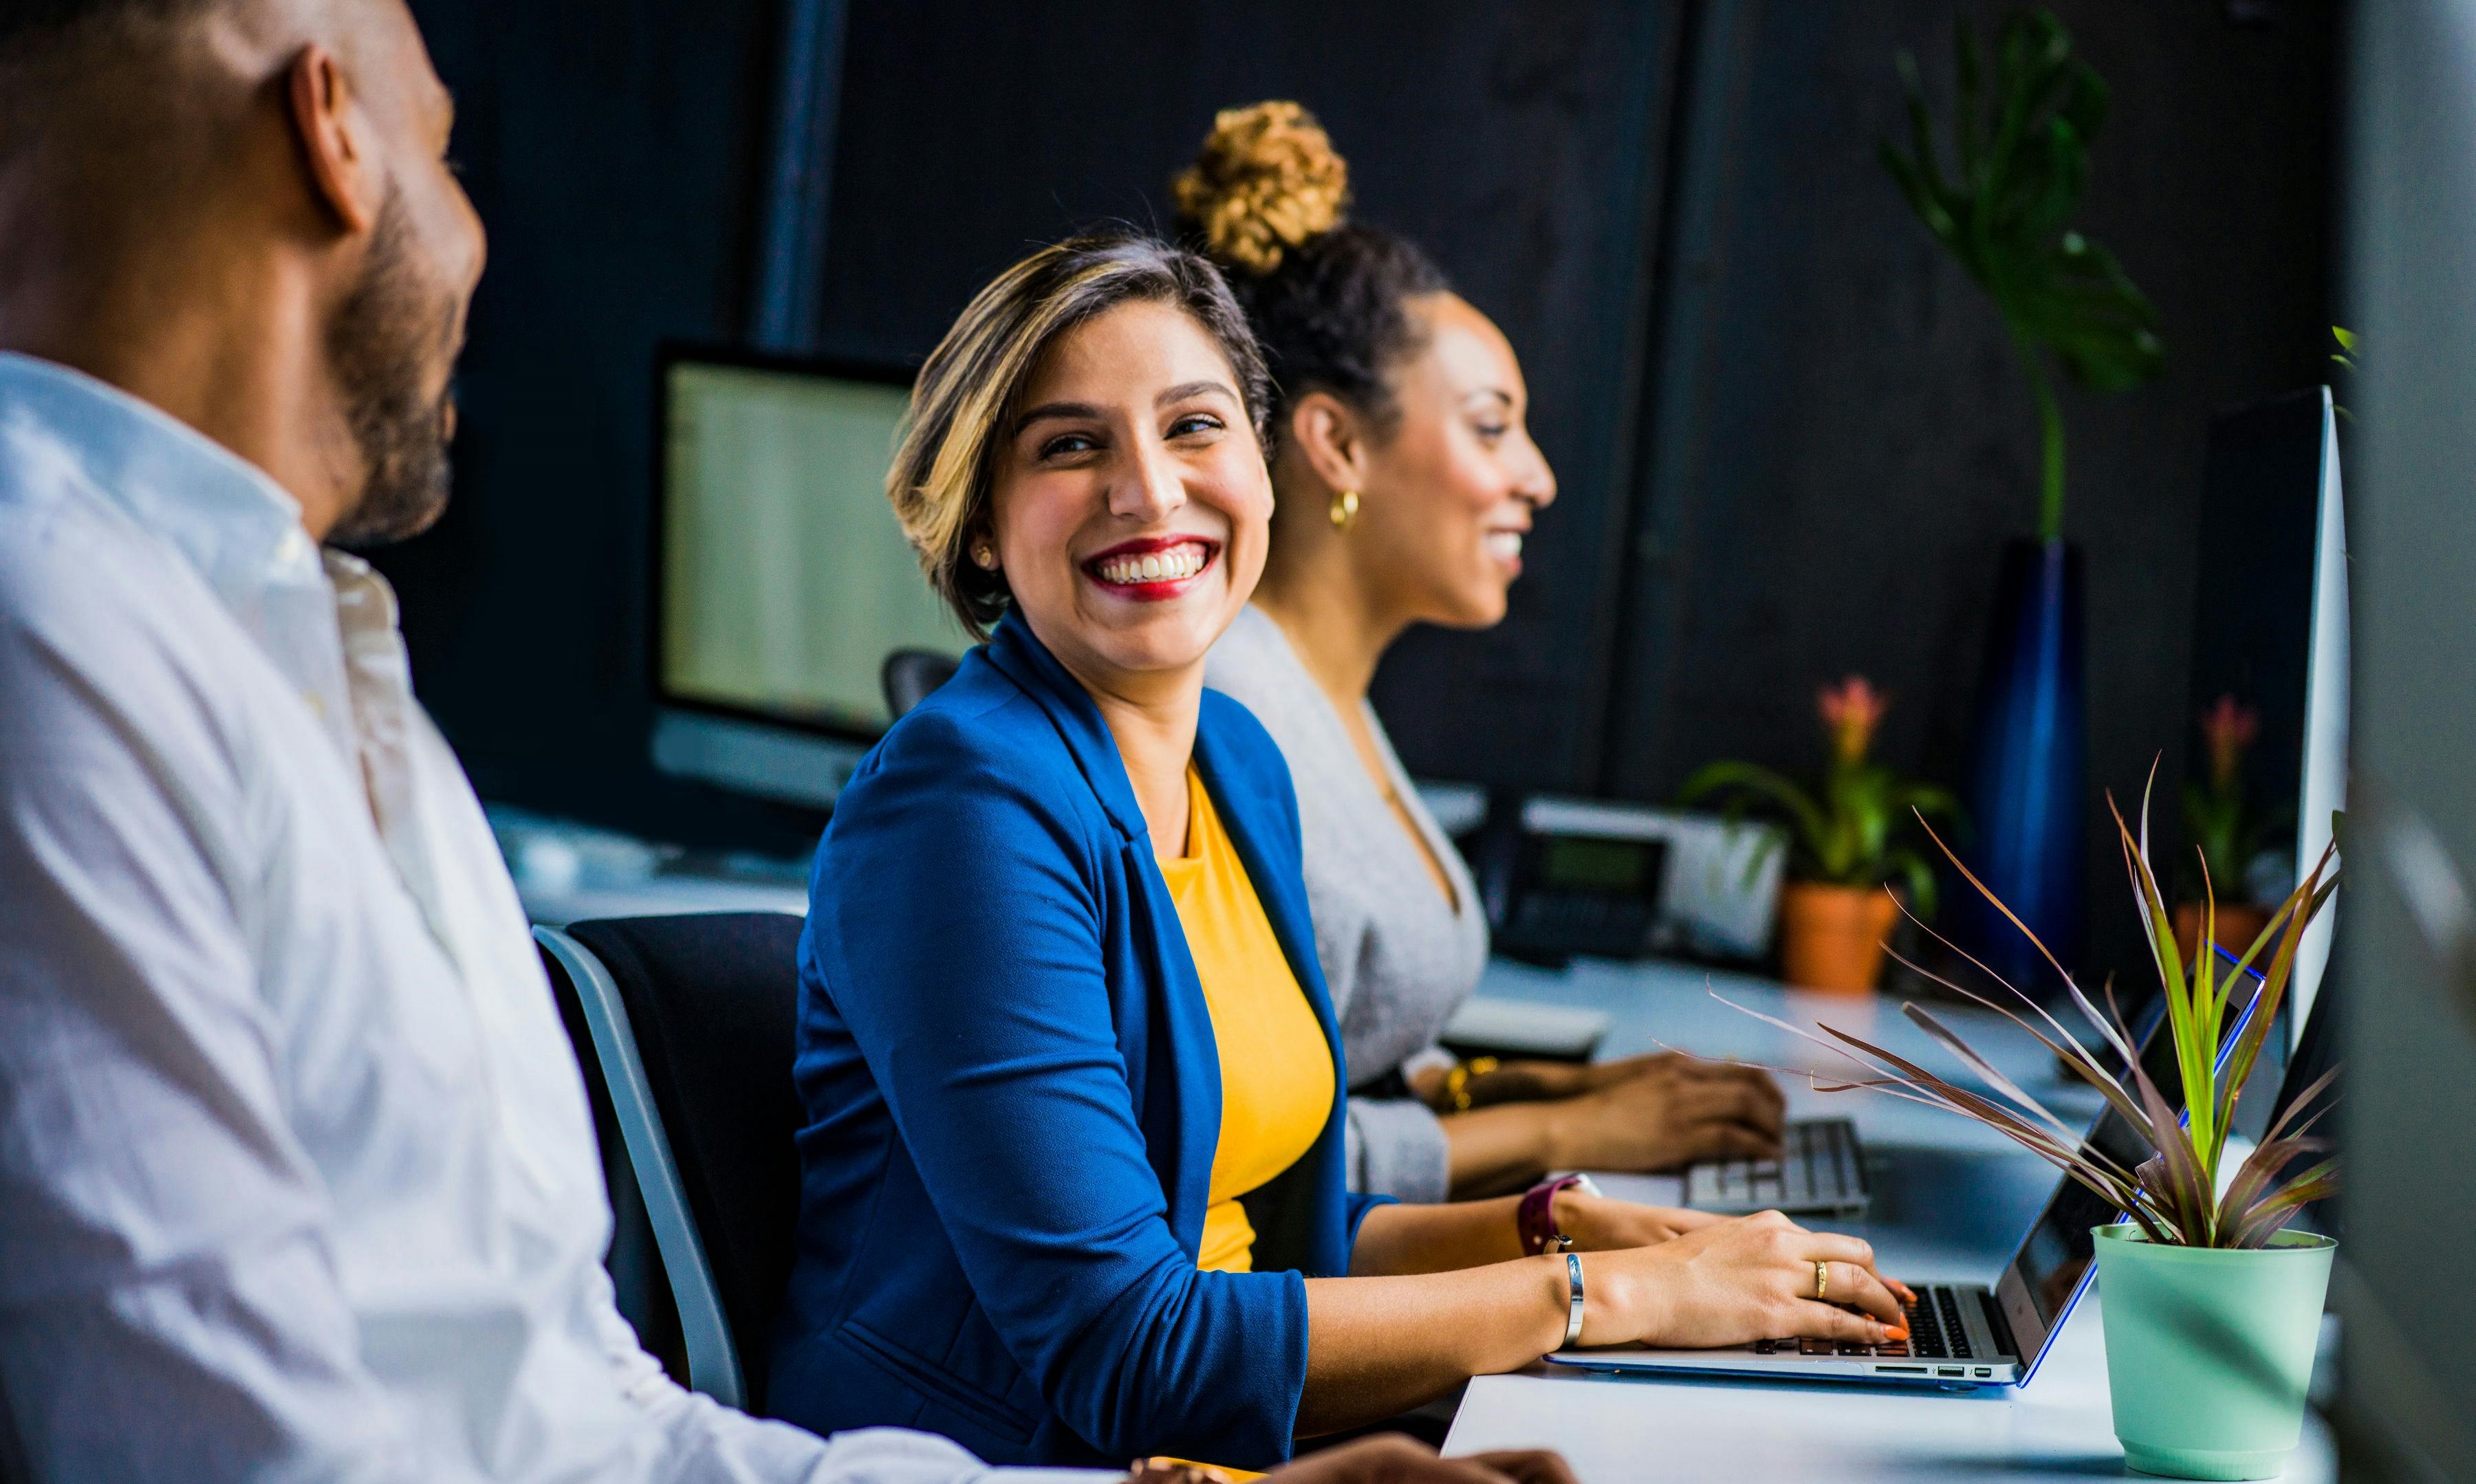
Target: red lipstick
[1152, 569]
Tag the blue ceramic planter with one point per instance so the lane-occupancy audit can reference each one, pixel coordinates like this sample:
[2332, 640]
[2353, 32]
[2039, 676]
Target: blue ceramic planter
[2029, 780]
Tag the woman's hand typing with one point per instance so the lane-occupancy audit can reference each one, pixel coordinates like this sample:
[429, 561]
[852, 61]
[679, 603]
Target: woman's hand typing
[1666, 1111]
[1733, 1282]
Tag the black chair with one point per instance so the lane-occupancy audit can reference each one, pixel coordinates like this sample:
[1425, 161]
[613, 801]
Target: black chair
[910, 675]
[692, 1022]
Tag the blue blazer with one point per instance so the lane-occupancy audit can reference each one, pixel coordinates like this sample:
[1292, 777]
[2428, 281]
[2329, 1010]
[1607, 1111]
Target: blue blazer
[1013, 1098]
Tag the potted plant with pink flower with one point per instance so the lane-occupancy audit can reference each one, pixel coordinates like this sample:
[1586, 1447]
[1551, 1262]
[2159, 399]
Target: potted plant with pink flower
[1848, 842]
[2229, 831]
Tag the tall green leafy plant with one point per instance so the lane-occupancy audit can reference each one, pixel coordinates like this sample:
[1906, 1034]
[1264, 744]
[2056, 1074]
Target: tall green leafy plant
[2019, 160]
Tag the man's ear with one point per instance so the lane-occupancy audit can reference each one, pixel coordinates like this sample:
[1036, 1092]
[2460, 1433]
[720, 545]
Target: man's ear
[337, 144]
[1329, 434]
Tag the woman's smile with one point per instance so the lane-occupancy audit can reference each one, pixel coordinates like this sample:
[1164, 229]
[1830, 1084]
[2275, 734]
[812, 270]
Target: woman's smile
[1152, 569]
[1505, 544]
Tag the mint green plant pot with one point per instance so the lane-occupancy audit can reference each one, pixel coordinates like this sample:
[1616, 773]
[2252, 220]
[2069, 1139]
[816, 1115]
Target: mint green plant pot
[2208, 1352]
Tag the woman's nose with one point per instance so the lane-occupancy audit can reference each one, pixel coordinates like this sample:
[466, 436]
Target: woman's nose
[1147, 485]
[1537, 482]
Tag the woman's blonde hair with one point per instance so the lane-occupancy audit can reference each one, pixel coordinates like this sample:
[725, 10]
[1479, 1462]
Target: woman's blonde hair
[944, 469]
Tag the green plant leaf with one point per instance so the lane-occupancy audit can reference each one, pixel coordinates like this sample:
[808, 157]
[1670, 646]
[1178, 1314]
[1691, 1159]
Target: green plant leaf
[2023, 163]
[1766, 784]
[1919, 876]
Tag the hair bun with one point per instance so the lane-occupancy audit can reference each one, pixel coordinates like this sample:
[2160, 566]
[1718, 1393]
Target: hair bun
[1266, 181]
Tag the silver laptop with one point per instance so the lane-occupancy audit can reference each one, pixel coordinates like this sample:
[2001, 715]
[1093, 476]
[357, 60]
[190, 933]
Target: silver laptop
[1821, 1172]
[1960, 1334]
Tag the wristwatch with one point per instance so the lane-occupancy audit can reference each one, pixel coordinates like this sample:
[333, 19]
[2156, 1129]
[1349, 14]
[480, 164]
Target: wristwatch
[1536, 1216]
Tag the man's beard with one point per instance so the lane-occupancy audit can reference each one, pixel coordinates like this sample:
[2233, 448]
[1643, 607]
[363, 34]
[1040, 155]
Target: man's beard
[383, 343]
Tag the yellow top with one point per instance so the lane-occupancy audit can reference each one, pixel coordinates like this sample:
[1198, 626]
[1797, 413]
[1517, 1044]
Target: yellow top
[1276, 1071]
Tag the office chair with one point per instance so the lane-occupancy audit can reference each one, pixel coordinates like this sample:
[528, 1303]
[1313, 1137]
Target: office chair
[692, 1024]
[910, 675]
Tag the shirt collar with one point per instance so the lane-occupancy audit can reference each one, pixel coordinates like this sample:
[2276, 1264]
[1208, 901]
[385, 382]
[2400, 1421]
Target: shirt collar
[225, 515]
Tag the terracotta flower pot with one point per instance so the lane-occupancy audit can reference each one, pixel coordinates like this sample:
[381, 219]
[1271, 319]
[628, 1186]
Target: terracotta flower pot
[2239, 924]
[1831, 937]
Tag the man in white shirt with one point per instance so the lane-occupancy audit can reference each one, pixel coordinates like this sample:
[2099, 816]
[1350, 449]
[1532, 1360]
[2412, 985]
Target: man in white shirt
[297, 1173]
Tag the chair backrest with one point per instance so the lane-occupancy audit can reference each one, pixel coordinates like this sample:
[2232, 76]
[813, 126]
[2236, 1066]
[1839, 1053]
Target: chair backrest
[711, 1001]
[910, 674]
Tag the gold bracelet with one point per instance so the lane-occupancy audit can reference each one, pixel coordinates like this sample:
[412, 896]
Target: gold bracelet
[1457, 1081]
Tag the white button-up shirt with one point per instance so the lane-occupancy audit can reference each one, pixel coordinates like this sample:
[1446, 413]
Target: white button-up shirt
[298, 1180]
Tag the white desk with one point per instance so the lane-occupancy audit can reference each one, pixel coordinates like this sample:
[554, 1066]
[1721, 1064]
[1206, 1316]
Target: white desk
[1950, 1201]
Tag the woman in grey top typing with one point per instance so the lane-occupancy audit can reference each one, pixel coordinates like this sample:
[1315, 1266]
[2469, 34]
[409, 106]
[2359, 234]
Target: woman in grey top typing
[1404, 482]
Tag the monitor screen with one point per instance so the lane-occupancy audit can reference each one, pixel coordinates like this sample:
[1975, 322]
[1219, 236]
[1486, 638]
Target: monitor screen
[785, 578]
[2267, 756]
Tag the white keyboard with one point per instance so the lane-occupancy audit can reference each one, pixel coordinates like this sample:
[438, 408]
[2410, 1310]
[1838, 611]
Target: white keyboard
[1820, 1170]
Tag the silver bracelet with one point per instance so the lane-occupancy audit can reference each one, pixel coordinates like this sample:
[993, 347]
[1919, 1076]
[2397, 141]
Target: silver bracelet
[1573, 1282]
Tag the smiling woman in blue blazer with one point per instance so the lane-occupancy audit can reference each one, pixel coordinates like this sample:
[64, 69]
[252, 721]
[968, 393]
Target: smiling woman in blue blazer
[1072, 1177]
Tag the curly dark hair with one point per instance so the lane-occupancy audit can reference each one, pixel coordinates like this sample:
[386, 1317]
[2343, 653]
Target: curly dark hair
[1327, 295]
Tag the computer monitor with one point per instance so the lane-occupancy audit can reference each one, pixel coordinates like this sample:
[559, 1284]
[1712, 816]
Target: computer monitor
[780, 578]
[2269, 634]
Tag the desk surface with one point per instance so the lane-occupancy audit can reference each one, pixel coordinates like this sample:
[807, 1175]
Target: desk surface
[1950, 1201]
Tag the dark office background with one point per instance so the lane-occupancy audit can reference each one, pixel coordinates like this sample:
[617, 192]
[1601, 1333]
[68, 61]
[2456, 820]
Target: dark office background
[1789, 435]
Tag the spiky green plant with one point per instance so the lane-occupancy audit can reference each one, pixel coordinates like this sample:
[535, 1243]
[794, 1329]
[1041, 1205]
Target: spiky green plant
[2173, 1194]
[2020, 160]
[2345, 358]
[1843, 830]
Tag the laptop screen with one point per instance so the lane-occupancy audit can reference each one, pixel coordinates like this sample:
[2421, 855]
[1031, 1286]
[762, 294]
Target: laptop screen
[2053, 1263]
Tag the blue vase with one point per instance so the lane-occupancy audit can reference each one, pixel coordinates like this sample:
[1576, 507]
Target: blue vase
[2029, 781]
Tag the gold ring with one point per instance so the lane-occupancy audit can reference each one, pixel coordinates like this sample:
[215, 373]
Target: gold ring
[1821, 1280]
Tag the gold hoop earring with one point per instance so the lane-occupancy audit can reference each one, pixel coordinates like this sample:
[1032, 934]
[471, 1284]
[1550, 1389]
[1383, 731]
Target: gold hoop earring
[1343, 508]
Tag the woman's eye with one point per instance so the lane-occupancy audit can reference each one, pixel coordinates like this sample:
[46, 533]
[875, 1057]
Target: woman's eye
[1194, 423]
[1492, 432]
[1068, 443]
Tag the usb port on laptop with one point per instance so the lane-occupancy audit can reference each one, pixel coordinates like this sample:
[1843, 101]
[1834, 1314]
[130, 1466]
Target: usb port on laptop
[1953, 1371]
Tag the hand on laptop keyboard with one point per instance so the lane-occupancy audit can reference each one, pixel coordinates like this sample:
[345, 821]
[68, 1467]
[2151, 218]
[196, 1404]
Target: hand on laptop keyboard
[1737, 1281]
[1935, 1332]
[1661, 1112]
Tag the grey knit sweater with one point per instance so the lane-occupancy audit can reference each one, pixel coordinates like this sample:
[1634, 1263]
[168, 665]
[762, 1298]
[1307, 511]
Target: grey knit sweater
[1398, 957]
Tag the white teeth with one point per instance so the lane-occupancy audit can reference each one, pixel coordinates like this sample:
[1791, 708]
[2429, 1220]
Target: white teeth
[1504, 545]
[1173, 565]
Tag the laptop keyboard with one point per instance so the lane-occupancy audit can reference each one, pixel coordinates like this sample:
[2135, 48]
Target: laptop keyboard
[1820, 1168]
[1936, 1332]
